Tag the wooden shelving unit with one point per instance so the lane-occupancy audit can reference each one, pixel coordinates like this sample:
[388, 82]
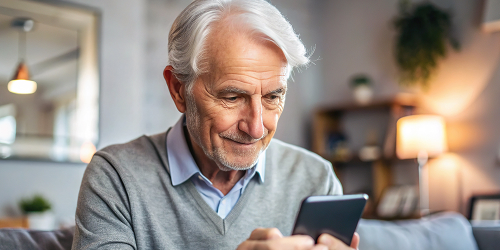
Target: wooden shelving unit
[330, 121]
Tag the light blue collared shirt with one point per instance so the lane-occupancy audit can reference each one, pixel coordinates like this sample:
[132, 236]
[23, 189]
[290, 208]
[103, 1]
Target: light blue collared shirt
[183, 167]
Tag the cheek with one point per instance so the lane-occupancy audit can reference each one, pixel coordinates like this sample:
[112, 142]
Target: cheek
[270, 120]
[223, 120]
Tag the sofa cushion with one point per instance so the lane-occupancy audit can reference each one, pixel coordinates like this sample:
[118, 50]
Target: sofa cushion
[440, 231]
[36, 239]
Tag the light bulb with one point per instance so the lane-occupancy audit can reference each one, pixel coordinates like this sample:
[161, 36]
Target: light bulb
[22, 86]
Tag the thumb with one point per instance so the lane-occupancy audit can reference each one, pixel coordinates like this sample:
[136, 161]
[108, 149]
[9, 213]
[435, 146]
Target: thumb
[265, 234]
[355, 241]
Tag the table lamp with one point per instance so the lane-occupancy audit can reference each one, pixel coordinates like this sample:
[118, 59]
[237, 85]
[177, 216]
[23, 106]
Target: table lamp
[421, 137]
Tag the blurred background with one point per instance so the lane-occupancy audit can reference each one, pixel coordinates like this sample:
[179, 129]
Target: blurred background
[98, 68]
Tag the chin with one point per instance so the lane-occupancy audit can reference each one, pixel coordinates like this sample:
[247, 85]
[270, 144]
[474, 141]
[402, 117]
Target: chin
[226, 164]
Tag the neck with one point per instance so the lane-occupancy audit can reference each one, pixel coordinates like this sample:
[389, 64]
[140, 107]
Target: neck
[224, 181]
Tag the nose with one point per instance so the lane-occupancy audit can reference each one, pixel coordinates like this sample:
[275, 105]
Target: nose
[252, 123]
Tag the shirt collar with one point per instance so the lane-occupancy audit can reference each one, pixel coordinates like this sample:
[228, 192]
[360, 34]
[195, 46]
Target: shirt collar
[181, 163]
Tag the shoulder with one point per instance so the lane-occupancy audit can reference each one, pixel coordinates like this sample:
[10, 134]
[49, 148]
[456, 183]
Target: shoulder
[298, 164]
[143, 150]
[138, 149]
[140, 157]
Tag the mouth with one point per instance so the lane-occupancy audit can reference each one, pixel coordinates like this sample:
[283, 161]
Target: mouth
[242, 143]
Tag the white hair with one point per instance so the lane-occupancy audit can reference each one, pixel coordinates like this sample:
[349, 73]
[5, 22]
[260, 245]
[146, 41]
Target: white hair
[191, 28]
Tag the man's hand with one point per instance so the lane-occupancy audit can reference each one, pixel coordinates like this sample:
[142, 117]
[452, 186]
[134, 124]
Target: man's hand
[333, 243]
[271, 238]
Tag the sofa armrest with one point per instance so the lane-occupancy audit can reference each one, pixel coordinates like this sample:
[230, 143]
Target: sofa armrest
[487, 234]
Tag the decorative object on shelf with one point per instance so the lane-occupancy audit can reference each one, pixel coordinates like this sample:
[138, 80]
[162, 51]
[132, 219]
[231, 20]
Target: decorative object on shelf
[362, 89]
[336, 147]
[398, 202]
[38, 211]
[421, 137]
[423, 32]
[21, 83]
[371, 151]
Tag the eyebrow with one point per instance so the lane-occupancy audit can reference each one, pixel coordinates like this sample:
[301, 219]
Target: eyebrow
[277, 91]
[232, 89]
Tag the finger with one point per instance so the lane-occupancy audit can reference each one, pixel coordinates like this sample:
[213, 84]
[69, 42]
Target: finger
[319, 247]
[355, 241]
[265, 234]
[298, 242]
[331, 242]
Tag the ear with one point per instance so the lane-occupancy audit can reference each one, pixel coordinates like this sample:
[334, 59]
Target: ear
[176, 88]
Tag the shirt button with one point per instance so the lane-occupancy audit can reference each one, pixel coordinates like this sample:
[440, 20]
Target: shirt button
[199, 177]
[223, 201]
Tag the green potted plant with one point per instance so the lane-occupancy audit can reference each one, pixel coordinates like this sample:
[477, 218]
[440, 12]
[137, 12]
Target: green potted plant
[362, 89]
[37, 209]
[423, 34]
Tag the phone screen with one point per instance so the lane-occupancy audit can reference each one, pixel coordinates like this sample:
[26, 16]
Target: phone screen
[335, 215]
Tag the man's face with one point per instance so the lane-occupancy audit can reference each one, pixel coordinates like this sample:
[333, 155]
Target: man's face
[233, 109]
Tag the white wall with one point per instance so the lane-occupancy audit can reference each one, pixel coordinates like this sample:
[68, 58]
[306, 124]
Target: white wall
[122, 75]
[306, 86]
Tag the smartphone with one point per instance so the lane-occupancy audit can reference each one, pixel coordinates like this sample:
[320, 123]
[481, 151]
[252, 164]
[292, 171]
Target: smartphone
[335, 215]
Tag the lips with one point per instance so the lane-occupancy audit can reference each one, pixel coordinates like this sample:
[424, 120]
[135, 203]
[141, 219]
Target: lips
[242, 143]
[240, 139]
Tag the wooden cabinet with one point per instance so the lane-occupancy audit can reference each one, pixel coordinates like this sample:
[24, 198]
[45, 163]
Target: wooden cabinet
[340, 133]
[21, 222]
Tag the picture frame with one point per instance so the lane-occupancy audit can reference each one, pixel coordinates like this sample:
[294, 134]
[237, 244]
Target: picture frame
[398, 202]
[491, 16]
[485, 207]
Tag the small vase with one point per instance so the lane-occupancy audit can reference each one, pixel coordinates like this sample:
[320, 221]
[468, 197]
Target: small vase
[363, 94]
[41, 220]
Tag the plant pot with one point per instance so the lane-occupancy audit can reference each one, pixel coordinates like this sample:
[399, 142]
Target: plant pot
[363, 94]
[41, 220]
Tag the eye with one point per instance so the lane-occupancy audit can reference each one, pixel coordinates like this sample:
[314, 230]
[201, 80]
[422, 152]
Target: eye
[231, 98]
[273, 99]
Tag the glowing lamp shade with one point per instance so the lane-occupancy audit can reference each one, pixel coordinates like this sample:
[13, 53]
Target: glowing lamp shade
[417, 134]
[21, 84]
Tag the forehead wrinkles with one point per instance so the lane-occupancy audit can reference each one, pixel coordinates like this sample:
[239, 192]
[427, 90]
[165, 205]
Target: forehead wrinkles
[247, 65]
[234, 54]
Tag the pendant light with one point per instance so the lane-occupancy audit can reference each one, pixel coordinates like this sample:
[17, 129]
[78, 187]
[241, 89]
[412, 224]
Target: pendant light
[21, 82]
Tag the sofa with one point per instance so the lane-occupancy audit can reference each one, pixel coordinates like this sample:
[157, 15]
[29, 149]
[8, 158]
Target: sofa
[440, 232]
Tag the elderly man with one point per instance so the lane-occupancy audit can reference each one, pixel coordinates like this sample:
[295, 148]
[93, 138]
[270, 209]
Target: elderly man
[216, 179]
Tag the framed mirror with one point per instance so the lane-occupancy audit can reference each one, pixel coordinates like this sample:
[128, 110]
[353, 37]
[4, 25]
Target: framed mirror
[55, 50]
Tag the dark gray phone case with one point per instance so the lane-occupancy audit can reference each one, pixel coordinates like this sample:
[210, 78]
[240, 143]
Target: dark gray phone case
[335, 215]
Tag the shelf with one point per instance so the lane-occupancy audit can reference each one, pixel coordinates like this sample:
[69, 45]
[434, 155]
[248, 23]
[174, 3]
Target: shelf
[374, 105]
[357, 160]
[345, 128]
